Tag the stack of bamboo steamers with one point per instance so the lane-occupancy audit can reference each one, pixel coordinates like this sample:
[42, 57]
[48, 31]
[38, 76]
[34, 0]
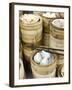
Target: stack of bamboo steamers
[31, 32]
[45, 29]
[57, 41]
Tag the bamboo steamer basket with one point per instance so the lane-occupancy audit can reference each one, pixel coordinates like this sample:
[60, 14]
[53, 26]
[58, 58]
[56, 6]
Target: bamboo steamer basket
[31, 32]
[41, 70]
[46, 28]
[21, 70]
[56, 35]
[61, 71]
[37, 75]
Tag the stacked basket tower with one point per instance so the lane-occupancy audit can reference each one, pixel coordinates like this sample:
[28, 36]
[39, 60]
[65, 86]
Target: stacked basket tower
[57, 41]
[31, 32]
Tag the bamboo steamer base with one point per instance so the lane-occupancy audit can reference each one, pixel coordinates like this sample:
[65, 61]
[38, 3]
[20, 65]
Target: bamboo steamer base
[43, 70]
[37, 75]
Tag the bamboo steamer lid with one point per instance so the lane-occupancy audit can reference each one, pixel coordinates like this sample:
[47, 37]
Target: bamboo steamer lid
[43, 69]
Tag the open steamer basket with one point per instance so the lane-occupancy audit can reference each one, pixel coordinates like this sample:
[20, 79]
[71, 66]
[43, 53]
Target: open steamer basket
[45, 71]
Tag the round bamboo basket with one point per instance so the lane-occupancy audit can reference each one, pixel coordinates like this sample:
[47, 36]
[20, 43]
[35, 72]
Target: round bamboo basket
[61, 71]
[42, 70]
[21, 70]
[31, 32]
[37, 75]
[46, 28]
[57, 34]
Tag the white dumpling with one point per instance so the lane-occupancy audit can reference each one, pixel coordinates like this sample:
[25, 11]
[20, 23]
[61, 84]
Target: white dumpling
[37, 58]
[44, 61]
[45, 54]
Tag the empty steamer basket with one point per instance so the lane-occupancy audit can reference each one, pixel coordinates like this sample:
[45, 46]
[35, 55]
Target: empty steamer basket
[57, 34]
[42, 68]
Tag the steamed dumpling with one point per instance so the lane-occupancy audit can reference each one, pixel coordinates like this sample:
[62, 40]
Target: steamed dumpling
[44, 61]
[30, 18]
[49, 15]
[43, 58]
[37, 58]
[45, 54]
